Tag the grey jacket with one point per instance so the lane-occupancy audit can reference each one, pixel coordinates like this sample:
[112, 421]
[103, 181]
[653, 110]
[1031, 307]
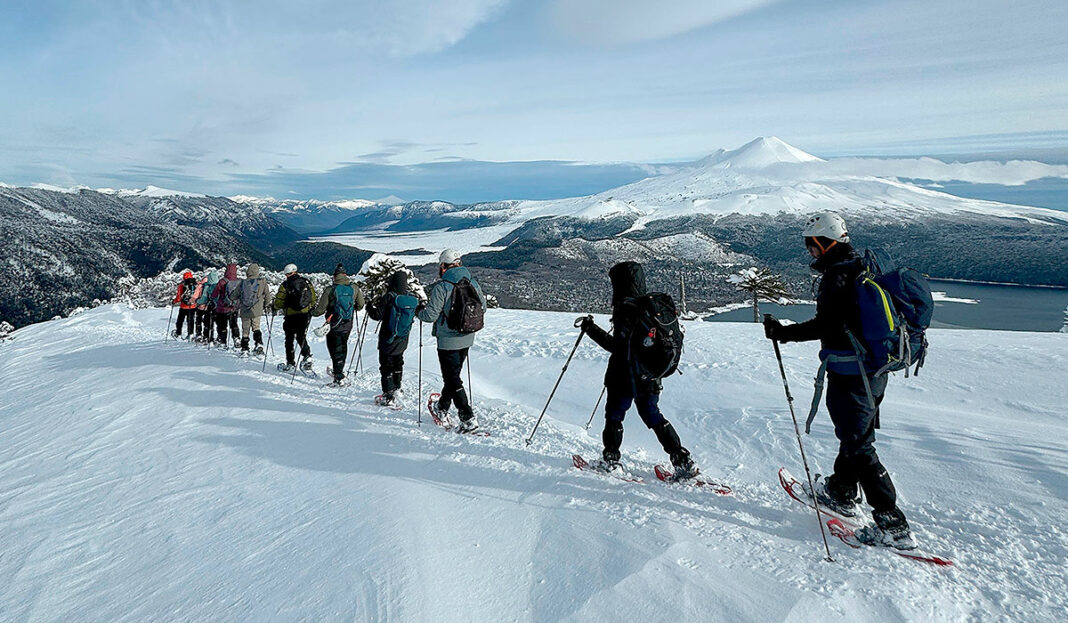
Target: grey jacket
[438, 300]
[263, 294]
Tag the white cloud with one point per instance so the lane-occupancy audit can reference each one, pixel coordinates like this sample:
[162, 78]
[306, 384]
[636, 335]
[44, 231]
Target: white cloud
[1011, 173]
[616, 22]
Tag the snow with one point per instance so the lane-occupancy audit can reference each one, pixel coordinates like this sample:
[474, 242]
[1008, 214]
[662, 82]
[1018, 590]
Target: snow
[156, 191]
[144, 480]
[427, 244]
[942, 297]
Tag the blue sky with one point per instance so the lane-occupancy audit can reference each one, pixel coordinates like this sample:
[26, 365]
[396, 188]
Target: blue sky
[364, 98]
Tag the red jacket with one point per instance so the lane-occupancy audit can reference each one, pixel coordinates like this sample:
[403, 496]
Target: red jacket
[187, 282]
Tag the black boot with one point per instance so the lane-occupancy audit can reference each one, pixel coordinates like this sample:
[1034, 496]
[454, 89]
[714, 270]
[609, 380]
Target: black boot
[244, 344]
[612, 437]
[257, 337]
[891, 528]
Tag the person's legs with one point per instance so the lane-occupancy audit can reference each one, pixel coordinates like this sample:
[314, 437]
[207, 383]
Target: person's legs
[257, 337]
[300, 323]
[452, 364]
[615, 409]
[854, 425]
[337, 344]
[649, 409]
[221, 324]
[288, 325]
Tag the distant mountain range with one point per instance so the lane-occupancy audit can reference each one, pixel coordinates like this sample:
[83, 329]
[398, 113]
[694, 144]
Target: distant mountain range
[706, 219]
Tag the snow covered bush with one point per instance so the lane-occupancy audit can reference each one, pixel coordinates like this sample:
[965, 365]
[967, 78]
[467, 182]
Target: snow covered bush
[376, 271]
[159, 291]
[5, 330]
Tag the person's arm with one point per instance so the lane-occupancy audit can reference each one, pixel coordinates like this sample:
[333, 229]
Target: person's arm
[376, 309]
[603, 338]
[359, 300]
[435, 303]
[266, 296]
[280, 297]
[178, 294]
[324, 301]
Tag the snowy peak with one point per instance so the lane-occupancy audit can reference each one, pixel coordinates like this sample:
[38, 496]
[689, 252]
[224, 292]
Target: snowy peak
[759, 153]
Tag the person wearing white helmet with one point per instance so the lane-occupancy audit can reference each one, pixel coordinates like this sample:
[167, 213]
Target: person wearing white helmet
[296, 298]
[855, 418]
[454, 327]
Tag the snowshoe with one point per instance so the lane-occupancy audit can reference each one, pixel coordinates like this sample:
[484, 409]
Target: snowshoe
[382, 400]
[258, 351]
[890, 529]
[469, 425]
[608, 467]
[286, 367]
[845, 508]
[441, 418]
[307, 365]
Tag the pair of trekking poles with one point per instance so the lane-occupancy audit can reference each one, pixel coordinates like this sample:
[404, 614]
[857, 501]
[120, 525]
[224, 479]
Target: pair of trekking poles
[789, 401]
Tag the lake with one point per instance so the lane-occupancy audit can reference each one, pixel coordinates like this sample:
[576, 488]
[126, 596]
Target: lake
[963, 306]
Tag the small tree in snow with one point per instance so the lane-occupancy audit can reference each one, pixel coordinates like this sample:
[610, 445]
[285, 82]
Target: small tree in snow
[492, 302]
[759, 283]
[375, 273]
[5, 330]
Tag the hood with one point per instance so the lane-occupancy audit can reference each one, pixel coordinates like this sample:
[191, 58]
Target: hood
[253, 270]
[341, 279]
[213, 277]
[231, 271]
[628, 280]
[455, 274]
[398, 282]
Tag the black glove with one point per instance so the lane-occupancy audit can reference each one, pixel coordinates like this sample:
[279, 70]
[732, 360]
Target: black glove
[772, 328]
[586, 323]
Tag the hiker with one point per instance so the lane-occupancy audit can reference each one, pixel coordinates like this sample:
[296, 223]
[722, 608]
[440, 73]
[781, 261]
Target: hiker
[296, 298]
[624, 384]
[203, 315]
[339, 303]
[254, 299]
[185, 298]
[855, 419]
[395, 309]
[225, 297]
[454, 332]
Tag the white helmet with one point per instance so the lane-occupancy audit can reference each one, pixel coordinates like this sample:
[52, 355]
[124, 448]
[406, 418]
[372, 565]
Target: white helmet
[449, 256]
[827, 225]
[289, 269]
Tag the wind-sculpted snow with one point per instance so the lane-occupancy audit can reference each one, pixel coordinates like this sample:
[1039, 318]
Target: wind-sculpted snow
[151, 480]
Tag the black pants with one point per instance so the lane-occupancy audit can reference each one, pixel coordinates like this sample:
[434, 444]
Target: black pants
[854, 426]
[185, 316]
[225, 321]
[392, 369]
[337, 343]
[452, 364]
[618, 401]
[296, 328]
[203, 320]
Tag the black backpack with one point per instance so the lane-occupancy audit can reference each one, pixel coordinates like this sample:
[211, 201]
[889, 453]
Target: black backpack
[298, 294]
[656, 340]
[466, 313]
[188, 291]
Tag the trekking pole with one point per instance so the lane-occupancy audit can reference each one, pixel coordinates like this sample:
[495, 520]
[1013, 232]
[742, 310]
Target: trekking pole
[270, 333]
[363, 336]
[169, 316]
[804, 461]
[594, 412]
[470, 388]
[419, 398]
[578, 323]
[352, 355]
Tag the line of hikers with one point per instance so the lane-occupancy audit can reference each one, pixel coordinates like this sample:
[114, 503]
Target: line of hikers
[644, 343]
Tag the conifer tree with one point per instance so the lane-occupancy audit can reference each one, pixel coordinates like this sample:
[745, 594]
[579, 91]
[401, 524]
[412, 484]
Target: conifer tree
[759, 283]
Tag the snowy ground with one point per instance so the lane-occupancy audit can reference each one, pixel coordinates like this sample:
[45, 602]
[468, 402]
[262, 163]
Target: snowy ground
[143, 480]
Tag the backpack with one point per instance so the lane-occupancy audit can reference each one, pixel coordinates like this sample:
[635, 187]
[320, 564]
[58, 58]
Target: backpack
[465, 314]
[298, 294]
[232, 293]
[344, 303]
[401, 317]
[250, 288]
[188, 291]
[656, 341]
[896, 308]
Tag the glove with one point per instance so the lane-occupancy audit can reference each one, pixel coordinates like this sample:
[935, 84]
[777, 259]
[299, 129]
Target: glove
[772, 328]
[586, 323]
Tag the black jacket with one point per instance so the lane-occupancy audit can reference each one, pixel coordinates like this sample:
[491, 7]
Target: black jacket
[628, 282]
[380, 308]
[836, 302]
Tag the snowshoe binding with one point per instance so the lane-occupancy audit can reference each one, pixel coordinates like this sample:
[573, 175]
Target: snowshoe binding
[890, 529]
[286, 367]
[845, 507]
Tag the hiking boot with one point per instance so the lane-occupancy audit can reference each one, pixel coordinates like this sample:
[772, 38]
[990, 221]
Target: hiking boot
[385, 400]
[307, 364]
[606, 466]
[684, 466]
[287, 367]
[890, 529]
[244, 344]
[846, 507]
[176, 334]
[469, 425]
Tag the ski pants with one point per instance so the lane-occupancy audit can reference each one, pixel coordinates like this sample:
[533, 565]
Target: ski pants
[203, 321]
[253, 323]
[452, 364]
[296, 328]
[392, 368]
[337, 343]
[185, 316]
[618, 402]
[854, 426]
[225, 326]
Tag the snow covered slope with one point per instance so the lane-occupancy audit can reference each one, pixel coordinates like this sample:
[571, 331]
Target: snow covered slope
[143, 480]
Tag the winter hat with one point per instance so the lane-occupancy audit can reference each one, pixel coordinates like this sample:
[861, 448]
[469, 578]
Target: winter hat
[289, 269]
[213, 276]
[339, 270]
[187, 274]
[628, 280]
[398, 282]
[449, 256]
[826, 225]
[253, 270]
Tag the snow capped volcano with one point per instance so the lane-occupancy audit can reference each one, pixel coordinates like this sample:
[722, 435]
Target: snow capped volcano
[758, 153]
